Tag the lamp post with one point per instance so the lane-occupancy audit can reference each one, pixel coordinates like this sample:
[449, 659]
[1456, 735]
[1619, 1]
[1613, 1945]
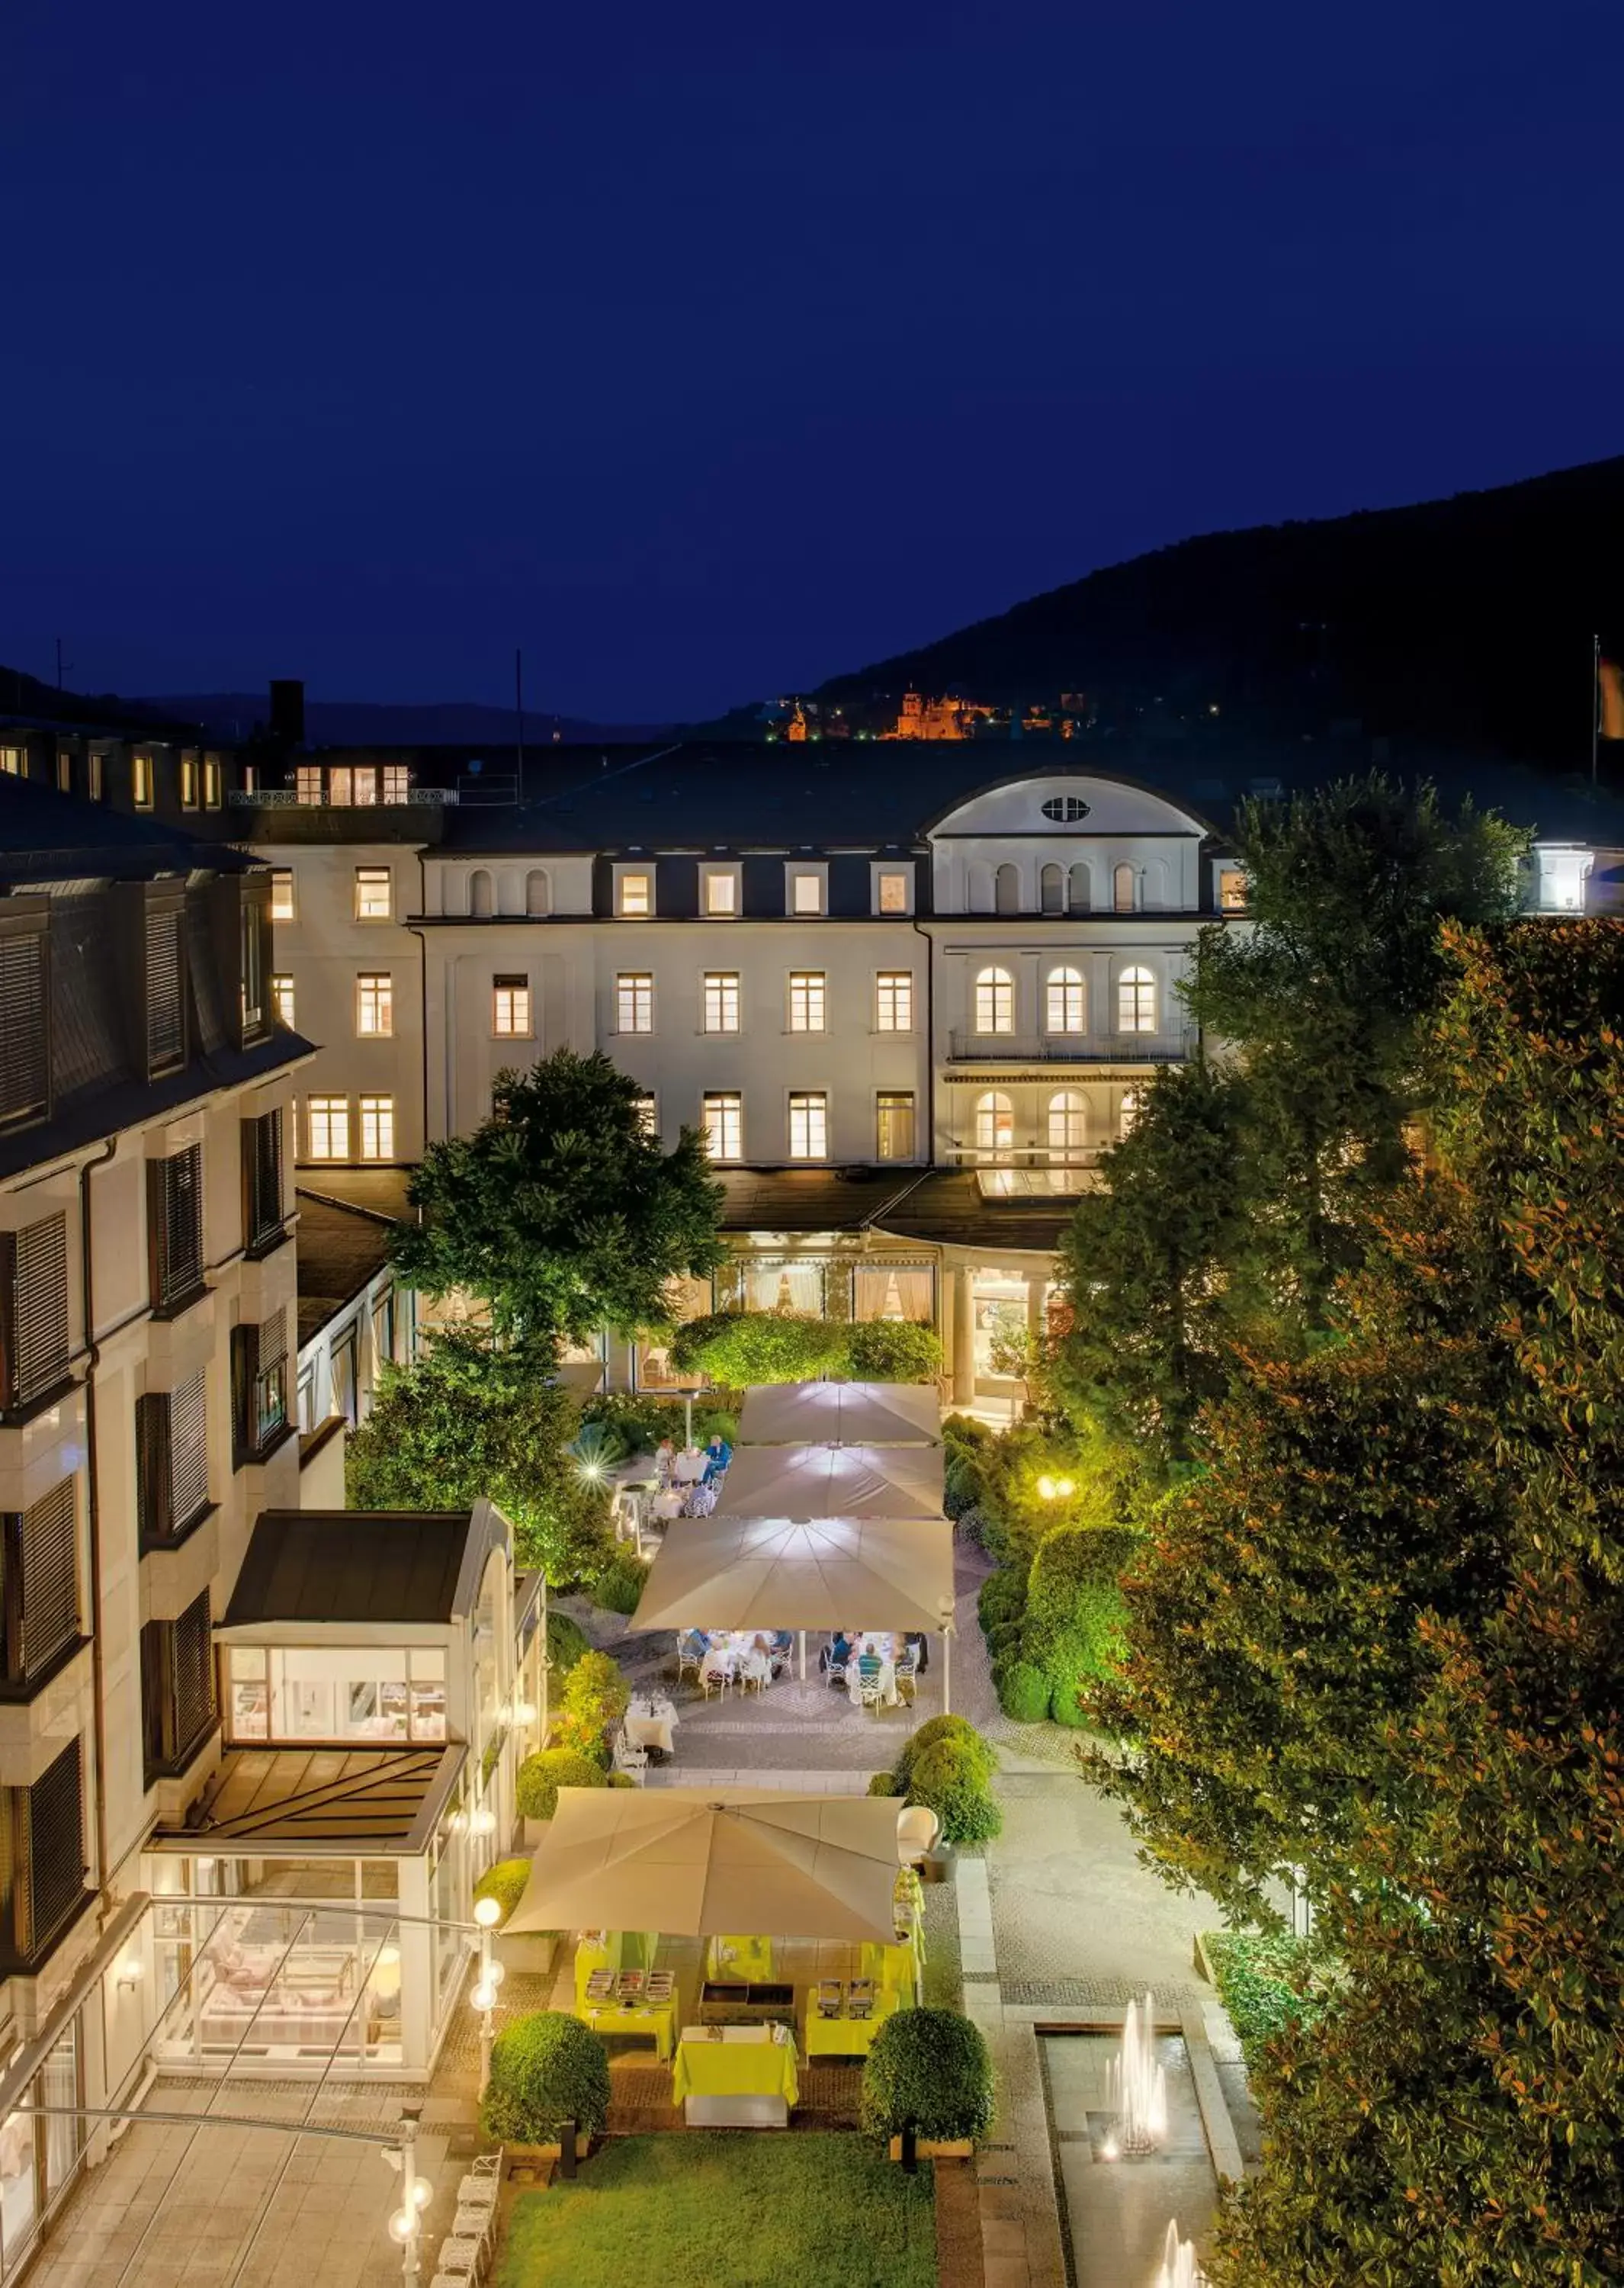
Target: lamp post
[487, 1914]
[405, 2223]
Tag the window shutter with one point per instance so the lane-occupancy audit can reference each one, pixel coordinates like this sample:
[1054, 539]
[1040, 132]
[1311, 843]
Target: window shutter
[176, 1210]
[153, 1478]
[50, 1577]
[24, 1070]
[188, 1453]
[55, 1849]
[262, 1168]
[192, 1675]
[166, 1040]
[39, 1308]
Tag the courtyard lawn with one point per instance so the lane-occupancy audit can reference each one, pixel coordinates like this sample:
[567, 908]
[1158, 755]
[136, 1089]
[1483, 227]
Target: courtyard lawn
[727, 2211]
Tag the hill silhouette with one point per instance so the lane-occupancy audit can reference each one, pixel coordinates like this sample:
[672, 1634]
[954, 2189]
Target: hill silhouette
[1465, 623]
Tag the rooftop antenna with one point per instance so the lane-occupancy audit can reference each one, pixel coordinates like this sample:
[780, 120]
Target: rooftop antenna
[518, 709]
[66, 667]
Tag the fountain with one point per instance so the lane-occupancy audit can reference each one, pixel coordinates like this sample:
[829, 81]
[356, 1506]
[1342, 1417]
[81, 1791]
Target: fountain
[1137, 2085]
[1179, 2268]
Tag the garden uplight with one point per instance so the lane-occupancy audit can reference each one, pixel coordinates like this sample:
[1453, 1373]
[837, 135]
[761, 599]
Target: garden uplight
[1046, 1488]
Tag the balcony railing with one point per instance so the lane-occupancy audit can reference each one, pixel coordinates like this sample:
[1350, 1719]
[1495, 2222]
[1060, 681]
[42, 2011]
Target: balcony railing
[418, 798]
[1170, 1048]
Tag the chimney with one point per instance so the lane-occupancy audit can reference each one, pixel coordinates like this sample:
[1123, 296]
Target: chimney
[288, 711]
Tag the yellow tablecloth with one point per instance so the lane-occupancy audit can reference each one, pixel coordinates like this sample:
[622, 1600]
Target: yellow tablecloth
[735, 1958]
[850, 2038]
[615, 1950]
[735, 2069]
[656, 2021]
[895, 1969]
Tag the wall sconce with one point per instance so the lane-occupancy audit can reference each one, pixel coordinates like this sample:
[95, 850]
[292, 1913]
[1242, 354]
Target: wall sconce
[130, 1971]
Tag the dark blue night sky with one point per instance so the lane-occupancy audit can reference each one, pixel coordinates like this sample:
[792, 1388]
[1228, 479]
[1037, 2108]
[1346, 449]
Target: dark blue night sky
[705, 351]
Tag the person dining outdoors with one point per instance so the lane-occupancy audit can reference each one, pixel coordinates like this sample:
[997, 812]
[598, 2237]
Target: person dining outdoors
[782, 1650]
[665, 1461]
[919, 1644]
[718, 1454]
[836, 1654]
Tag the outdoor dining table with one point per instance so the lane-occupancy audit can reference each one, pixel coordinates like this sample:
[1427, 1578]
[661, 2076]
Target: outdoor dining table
[888, 1683]
[850, 2038]
[656, 2020]
[650, 1721]
[736, 2077]
[689, 1468]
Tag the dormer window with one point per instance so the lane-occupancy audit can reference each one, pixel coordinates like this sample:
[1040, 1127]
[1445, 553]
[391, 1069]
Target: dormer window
[634, 892]
[806, 890]
[1065, 809]
[1232, 890]
[719, 893]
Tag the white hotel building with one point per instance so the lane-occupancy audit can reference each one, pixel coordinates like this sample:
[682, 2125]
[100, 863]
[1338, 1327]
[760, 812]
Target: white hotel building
[909, 994]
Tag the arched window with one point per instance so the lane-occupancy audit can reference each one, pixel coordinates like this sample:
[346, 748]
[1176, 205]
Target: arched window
[994, 1127]
[1063, 1001]
[1127, 1111]
[478, 892]
[1006, 891]
[1079, 890]
[1068, 1124]
[1136, 1001]
[1052, 889]
[995, 1002]
[1124, 889]
[538, 891]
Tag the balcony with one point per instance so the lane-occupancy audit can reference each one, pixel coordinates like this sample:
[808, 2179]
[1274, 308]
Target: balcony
[1170, 1048]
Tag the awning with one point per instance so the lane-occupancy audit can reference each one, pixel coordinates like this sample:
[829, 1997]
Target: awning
[841, 1414]
[847, 1481]
[699, 1862]
[824, 1573]
[368, 1801]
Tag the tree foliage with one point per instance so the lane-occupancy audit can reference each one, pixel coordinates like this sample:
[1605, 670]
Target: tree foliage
[1381, 1641]
[562, 1212]
[468, 1421]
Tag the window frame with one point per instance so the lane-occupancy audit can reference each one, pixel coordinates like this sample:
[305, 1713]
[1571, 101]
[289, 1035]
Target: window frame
[330, 1109]
[799, 869]
[810, 1107]
[893, 985]
[369, 878]
[380, 1111]
[283, 877]
[881, 871]
[634, 991]
[630, 871]
[718, 988]
[896, 1103]
[1064, 987]
[807, 1001]
[376, 988]
[997, 985]
[516, 985]
[722, 1106]
[1138, 1000]
[284, 998]
[714, 876]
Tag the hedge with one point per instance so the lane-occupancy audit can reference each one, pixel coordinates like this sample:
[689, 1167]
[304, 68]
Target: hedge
[937, 1728]
[596, 1695]
[640, 1420]
[505, 1883]
[1025, 1693]
[618, 1588]
[737, 1348]
[543, 1775]
[929, 2070]
[546, 2069]
[566, 1641]
[1267, 1983]
[947, 1778]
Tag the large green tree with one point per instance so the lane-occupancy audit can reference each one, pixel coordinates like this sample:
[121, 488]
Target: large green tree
[1382, 1642]
[562, 1212]
[469, 1421]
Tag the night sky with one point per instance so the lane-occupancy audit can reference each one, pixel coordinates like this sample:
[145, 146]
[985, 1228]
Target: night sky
[706, 352]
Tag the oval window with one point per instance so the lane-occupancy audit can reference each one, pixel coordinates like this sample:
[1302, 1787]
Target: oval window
[1065, 808]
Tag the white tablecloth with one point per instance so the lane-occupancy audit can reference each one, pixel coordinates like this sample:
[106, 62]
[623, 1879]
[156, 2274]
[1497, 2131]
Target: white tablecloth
[645, 1731]
[888, 1684]
[690, 1469]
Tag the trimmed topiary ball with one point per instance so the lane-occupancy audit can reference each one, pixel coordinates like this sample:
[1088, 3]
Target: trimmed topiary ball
[929, 2070]
[949, 1778]
[884, 1783]
[937, 1728]
[505, 1883]
[545, 2070]
[1023, 1692]
[541, 1776]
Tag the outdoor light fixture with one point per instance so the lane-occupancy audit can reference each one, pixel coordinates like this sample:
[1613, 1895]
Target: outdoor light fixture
[131, 1970]
[487, 1912]
[524, 1712]
[482, 1822]
[1046, 1488]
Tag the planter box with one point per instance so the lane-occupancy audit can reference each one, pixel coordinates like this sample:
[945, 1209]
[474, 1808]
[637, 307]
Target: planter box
[938, 2149]
[531, 1951]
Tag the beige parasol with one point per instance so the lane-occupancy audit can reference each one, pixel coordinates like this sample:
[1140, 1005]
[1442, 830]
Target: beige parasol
[841, 1414]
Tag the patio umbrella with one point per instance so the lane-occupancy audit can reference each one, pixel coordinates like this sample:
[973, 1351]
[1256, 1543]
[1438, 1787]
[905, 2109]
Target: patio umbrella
[841, 1414]
[699, 1863]
[776, 1573]
[852, 1482]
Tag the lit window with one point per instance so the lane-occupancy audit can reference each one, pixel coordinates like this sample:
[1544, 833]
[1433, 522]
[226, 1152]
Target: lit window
[397, 782]
[890, 893]
[511, 1008]
[141, 765]
[721, 998]
[893, 1001]
[634, 1001]
[994, 1127]
[1068, 1123]
[1127, 1111]
[341, 785]
[995, 1002]
[327, 1128]
[188, 781]
[98, 766]
[65, 774]
[282, 893]
[648, 1114]
[378, 1128]
[307, 784]
[211, 781]
[1063, 1001]
[894, 1126]
[636, 894]
[724, 1124]
[282, 993]
[374, 894]
[366, 788]
[1232, 890]
[807, 1000]
[805, 893]
[1136, 1002]
[809, 1124]
[10, 765]
[374, 1005]
[721, 890]
[1124, 889]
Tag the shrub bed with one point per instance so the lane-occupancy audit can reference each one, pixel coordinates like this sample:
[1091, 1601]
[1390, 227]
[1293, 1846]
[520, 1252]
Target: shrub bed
[737, 1348]
[596, 1695]
[948, 1766]
[1267, 1982]
[546, 2069]
[566, 1641]
[618, 1588]
[543, 1775]
[929, 2070]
